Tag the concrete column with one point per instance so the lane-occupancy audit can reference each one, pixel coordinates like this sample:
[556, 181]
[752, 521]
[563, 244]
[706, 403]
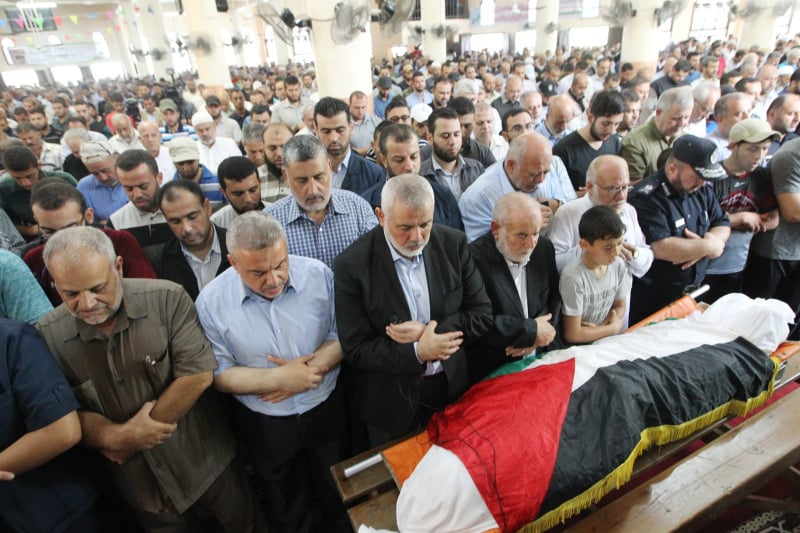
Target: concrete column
[258, 30]
[341, 68]
[150, 20]
[202, 20]
[547, 12]
[682, 23]
[236, 26]
[433, 14]
[638, 45]
[129, 35]
[759, 29]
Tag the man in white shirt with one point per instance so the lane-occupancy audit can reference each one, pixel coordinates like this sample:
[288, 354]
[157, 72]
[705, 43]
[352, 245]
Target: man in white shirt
[126, 137]
[224, 126]
[213, 149]
[150, 136]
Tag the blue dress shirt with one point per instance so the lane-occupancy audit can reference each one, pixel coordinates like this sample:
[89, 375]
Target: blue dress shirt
[104, 200]
[477, 202]
[243, 328]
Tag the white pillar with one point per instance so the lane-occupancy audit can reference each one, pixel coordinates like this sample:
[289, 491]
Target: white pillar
[682, 23]
[236, 26]
[150, 20]
[432, 14]
[639, 45]
[341, 68]
[547, 12]
[760, 28]
[202, 20]
[129, 34]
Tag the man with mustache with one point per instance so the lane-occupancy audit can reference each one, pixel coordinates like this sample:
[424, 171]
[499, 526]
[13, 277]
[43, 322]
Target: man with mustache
[351, 171]
[446, 165]
[403, 335]
[138, 174]
[320, 221]
[518, 267]
[197, 252]
[238, 180]
[139, 364]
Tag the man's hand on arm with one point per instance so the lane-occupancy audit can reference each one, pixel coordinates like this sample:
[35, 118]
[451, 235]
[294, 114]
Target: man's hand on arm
[120, 442]
[405, 332]
[434, 346]
[293, 376]
[545, 333]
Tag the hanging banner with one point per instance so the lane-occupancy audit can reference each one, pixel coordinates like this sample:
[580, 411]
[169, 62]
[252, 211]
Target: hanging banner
[62, 54]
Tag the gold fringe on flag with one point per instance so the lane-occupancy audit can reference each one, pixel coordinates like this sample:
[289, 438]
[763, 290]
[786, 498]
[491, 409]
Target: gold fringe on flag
[655, 436]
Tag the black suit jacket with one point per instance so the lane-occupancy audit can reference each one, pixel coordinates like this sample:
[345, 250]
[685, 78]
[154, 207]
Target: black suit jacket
[511, 325]
[369, 297]
[170, 263]
[361, 174]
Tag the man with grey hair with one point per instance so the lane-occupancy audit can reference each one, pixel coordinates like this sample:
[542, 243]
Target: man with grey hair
[729, 111]
[560, 113]
[518, 267]
[253, 143]
[510, 98]
[531, 101]
[145, 409]
[607, 183]
[150, 137]
[126, 138]
[270, 320]
[319, 221]
[642, 146]
[403, 335]
[705, 94]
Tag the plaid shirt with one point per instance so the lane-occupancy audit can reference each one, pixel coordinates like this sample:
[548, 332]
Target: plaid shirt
[349, 216]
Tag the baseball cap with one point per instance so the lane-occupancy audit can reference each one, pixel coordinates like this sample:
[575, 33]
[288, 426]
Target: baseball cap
[385, 82]
[95, 151]
[183, 149]
[420, 112]
[201, 117]
[752, 130]
[212, 100]
[167, 103]
[547, 88]
[700, 154]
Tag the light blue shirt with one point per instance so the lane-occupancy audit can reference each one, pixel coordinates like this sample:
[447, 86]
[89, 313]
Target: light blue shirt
[477, 202]
[414, 280]
[541, 128]
[104, 200]
[243, 328]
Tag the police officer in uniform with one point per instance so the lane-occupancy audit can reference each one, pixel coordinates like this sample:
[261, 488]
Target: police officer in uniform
[682, 222]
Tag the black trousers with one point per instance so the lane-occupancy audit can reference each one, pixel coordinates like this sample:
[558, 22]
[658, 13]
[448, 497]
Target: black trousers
[722, 284]
[292, 456]
[229, 501]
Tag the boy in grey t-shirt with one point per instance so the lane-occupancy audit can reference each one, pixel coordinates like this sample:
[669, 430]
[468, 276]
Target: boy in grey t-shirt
[594, 286]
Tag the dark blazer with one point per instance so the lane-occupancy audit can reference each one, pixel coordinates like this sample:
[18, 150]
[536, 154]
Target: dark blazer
[170, 263]
[369, 297]
[445, 207]
[511, 326]
[361, 174]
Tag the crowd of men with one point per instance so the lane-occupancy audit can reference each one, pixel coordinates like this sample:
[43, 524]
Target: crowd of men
[198, 281]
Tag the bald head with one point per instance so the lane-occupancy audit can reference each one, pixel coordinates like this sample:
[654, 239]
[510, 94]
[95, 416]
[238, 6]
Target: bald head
[150, 137]
[513, 88]
[560, 110]
[515, 205]
[528, 161]
[607, 181]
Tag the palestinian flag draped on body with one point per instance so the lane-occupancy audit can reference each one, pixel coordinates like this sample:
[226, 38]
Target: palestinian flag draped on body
[546, 442]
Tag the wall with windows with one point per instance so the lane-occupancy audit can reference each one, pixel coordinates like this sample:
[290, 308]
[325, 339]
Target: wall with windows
[84, 36]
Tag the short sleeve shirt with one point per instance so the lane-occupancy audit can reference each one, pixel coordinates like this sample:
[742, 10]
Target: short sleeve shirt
[156, 339]
[585, 295]
[33, 395]
[664, 212]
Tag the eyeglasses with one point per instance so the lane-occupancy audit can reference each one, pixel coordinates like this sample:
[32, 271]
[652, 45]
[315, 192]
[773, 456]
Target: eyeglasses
[614, 190]
[401, 118]
[49, 232]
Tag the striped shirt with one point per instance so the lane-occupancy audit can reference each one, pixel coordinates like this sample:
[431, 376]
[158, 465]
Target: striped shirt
[348, 217]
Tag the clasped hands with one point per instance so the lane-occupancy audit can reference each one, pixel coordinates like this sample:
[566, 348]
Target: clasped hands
[545, 333]
[431, 346]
